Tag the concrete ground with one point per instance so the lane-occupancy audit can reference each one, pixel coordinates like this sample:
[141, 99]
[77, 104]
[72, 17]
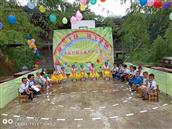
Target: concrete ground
[88, 105]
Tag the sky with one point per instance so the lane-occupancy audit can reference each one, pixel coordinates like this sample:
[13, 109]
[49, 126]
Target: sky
[107, 8]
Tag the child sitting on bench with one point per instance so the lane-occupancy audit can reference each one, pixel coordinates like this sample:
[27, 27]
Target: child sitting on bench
[144, 84]
[24, 89]
[151, 87]
[135, 82]
[31, 85]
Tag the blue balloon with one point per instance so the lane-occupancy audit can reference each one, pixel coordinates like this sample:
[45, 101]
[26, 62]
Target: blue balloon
[28, 37]
[93, 2]
[11, 19]
[1, 25]
[143, 2]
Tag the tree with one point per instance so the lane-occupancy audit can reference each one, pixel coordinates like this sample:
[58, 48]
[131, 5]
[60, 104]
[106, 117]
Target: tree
[15, 35]
[134, 32]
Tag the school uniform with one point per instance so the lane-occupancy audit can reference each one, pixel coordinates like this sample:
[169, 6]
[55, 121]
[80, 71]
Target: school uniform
[30, 85]
[114, 71]
[23, 88]
[118, 73]
[40, 81]
[125, 74]
[150, 87]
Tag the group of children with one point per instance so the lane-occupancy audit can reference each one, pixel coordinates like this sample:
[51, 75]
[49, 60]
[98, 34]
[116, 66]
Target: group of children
[142, 83]
[139, 81]
[32, 86]
[59, 73]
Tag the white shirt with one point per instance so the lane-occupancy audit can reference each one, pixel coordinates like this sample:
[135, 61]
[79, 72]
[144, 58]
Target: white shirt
[126, 71]
[132, 72]
[43, 79]
[29, 83]
[152, 85]
[145, 81]
[115, 69]
[23, 88]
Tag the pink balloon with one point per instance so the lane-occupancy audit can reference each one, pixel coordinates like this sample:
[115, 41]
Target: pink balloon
[73, 19]
[150, 3]
[83, 2]
[79, 15]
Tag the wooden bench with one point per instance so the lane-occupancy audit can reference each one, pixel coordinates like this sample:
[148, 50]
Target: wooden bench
[22, 98]
[154, 96]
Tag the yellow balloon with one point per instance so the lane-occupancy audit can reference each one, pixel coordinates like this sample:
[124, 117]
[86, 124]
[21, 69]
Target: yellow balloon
[83, 7]
[42, 9]
[29, 42]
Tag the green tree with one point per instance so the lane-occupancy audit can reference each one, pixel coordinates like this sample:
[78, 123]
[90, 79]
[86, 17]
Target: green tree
[14, 35]
[134, 32]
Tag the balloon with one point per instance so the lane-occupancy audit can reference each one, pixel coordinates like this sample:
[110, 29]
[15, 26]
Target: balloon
[170, 16]
[28, 36]
[53, 18]
[1, 25]
[31, 5]
[143, 2]
[157, 4]
[29, 42]
[42, 9]
[83, 7]
[102, 0]
[73, 20]
[93, 2]
[37, 62]
[79, 15]
[11, 19]
[64, 20]
[150, 3]
[166, 5]
[83, 2]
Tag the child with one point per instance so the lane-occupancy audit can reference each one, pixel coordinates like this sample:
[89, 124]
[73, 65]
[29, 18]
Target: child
[93, 73]
[31, 85]
[83, 75]
[140, 70]
[73, 74]
[63, 74]
[114, 70]
[144, 84]
[125, 73]
[119, 72]
[24, 89]
[131, 73]
[151, 87]
[40, 80]
[106, 71]
[135, 82]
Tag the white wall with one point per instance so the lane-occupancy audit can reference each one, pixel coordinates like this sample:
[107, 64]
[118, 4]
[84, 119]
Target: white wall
[83, 24]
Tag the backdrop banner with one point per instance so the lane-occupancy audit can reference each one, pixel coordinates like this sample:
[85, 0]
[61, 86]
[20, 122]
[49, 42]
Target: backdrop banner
[83, 46]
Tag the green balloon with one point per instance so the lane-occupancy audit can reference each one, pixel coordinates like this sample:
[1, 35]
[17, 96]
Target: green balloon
[170, 16]
[53, 18]
[93, 2]
[64, 20]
